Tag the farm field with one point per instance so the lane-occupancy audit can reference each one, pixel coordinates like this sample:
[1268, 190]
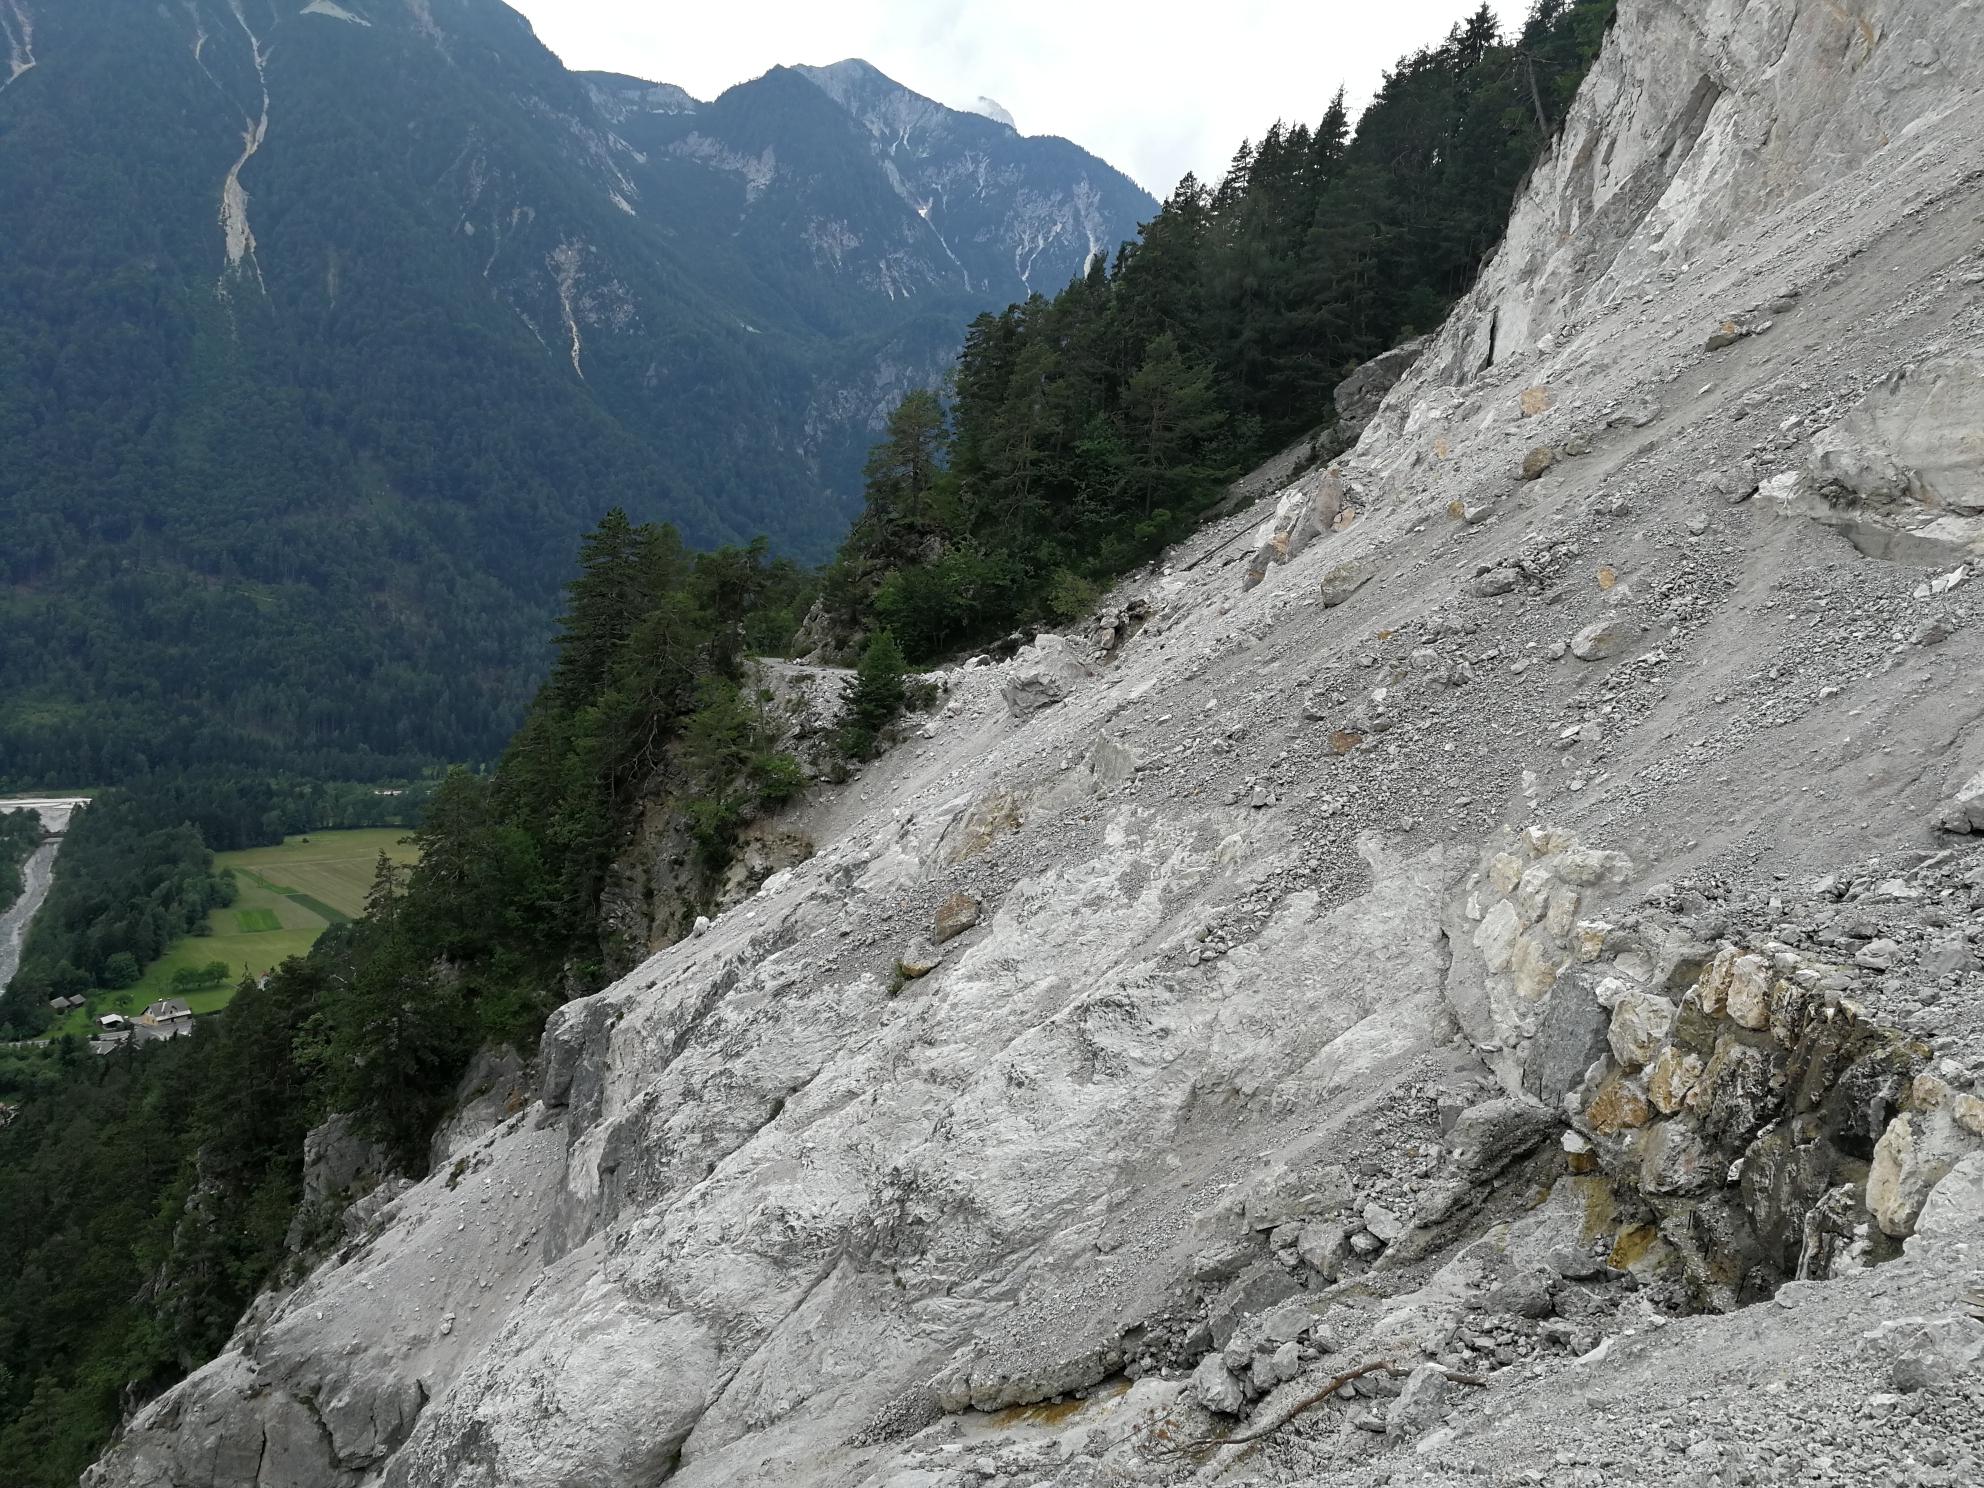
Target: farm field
[325, 870]
[289, 896]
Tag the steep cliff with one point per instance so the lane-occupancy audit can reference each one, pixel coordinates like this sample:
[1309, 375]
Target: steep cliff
[1499, 918]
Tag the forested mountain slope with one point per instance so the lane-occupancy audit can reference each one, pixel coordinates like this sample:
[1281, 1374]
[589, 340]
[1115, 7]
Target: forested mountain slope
[326, 330]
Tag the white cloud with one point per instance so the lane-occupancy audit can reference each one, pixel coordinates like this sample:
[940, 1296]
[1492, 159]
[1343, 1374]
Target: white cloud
[1155, 88]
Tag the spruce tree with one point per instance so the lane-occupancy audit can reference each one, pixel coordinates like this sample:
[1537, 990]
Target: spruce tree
[877, 697]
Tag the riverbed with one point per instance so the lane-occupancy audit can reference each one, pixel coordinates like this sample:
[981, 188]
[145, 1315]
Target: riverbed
[39, 873]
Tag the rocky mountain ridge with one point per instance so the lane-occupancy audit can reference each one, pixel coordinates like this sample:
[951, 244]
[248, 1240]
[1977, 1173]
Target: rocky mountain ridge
[384, 284]
[1468, 974]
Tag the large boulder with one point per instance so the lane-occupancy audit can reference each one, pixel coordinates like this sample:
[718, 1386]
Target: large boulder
[1954, 1209]
[955, 915]
[1306, 510]
[1641, 1022]
[1359, 396]
[1902, 476]
[1490, 1136]
[1918, 435]
[1420, 1405]
[1963, 812]
[1674, 1160]
[1217, 1388]
[1921, 1148]
[1344, 579]
[1042, 675]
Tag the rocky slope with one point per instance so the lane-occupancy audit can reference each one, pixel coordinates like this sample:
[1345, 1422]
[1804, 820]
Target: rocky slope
[1502, 908]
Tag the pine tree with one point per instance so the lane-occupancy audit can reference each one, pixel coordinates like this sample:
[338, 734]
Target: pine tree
[900, 515]
[877, 697]
[1176, 415]
[603, 603]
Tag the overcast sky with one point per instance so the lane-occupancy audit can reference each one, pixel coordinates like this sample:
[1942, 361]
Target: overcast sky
[1156, 88]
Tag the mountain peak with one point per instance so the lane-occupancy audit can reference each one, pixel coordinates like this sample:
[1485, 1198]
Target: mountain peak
[853, 82]
[990, 108]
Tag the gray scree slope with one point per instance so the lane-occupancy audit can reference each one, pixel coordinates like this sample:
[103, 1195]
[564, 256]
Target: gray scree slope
[1528, 934]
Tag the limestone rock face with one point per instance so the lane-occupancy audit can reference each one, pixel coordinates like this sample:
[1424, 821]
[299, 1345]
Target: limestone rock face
[335, 1157]
[1675, 109]
[669, 1231]
[496, 1086]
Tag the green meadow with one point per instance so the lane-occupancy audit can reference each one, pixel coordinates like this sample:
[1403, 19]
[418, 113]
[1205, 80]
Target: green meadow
[289, 896]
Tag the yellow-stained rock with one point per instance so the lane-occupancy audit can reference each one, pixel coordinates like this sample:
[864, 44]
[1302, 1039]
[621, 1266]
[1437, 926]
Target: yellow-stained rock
[1588, 868]
[1747, 1000]
[1711, 990]
[1588, 940]
[1641, 1021]
[1969, 1113]
[1543, 841]
[1633, 1246]
[1536, 965]
[1929, 1093]
[1672, 1078]
[988, 820]
[1619, 1106]
[1504, 871]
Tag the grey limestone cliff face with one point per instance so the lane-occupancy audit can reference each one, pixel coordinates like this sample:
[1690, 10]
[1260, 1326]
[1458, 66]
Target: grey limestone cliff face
[1507, 966]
